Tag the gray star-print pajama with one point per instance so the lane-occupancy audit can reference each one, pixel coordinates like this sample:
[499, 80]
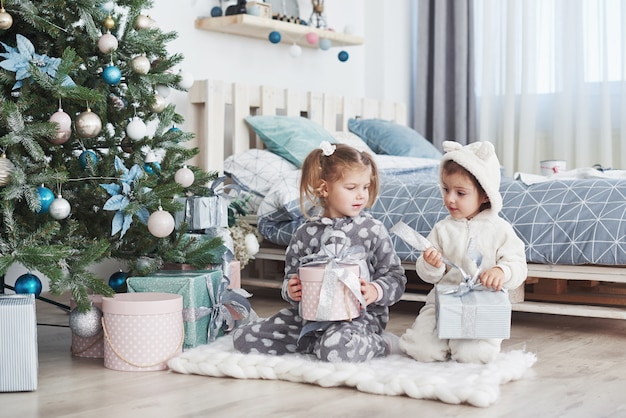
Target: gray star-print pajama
[351, 341]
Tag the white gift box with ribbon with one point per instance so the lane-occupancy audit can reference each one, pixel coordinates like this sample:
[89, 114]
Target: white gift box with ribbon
[475, 314]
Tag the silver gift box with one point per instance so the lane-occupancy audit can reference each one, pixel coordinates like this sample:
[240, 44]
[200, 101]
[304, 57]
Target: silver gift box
[475, 315]
[202, 212]
[19, 359]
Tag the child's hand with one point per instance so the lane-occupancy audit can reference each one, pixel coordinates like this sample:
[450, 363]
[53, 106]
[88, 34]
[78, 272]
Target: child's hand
[492, 278]
[369, 292]
[294, 288]
[433, 257]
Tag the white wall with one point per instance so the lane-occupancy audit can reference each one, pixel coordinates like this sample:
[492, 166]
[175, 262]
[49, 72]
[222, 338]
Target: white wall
[379, 68]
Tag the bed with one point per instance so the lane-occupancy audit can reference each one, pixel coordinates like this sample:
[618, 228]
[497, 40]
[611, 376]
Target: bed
[574, 228]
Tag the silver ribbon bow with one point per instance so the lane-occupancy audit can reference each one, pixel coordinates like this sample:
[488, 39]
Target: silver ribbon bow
[335, 251]
[225, 302]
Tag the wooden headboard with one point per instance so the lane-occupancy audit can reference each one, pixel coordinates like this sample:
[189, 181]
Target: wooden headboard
[221, 108]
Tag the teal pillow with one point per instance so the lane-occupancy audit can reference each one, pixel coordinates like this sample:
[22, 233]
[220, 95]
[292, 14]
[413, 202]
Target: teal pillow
[291, 137]
[387, 137]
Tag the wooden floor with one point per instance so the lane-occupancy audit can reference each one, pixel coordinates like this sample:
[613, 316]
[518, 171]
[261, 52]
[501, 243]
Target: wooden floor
[580, 372]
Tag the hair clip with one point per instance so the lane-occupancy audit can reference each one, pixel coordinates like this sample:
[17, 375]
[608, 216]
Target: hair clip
[327, 148]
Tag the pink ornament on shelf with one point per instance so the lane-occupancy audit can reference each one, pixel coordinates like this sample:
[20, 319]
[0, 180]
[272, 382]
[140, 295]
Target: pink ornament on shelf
[312, 38]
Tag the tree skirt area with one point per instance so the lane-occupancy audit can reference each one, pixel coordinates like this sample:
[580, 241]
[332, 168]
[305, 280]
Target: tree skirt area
[449, 382]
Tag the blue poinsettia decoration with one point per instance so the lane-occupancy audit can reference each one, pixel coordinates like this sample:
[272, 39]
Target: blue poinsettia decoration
[18, 60]
[121, 195]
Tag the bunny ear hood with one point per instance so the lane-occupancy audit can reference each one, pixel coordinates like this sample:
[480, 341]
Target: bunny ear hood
[479, 158]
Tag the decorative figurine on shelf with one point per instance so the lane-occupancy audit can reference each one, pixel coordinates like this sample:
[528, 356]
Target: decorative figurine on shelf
[318, 19]
[237, 9]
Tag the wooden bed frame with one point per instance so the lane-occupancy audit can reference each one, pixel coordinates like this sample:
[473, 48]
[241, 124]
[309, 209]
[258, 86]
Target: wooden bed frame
[220, 109]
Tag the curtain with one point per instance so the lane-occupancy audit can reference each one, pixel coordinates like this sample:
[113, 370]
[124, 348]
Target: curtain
[551, 81]
[443, 101]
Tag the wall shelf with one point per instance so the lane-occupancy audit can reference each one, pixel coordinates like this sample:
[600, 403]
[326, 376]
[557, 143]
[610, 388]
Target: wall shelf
[260, 27]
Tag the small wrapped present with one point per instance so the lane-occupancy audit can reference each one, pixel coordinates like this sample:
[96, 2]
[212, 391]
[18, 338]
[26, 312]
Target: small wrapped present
[209, 308]
[19, 359]
[473, 314]
[202, 212]
[234, 273]
[331, 289]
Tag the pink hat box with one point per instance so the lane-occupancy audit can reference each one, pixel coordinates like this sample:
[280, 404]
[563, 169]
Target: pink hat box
[88, 347]
[344, 306]
[142, 331]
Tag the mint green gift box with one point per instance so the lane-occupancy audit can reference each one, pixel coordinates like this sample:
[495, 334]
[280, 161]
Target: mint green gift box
[192, 286]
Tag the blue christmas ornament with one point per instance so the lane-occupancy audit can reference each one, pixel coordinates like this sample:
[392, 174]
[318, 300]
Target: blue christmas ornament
[117, 279]
[111, 75]
[45, 198]
[152, 168]
[216, 11]
[274, 37]
[343, 56]
[325, 44]
[28, 283]
[87, 157]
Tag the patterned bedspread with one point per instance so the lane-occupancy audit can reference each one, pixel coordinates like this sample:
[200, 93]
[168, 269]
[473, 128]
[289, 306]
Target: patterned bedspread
[574, 221]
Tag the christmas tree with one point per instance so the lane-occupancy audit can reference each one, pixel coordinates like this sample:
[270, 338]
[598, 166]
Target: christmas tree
[82, 177]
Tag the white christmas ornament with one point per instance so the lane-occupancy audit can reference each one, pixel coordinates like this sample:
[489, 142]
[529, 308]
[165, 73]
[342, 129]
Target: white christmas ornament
[60, 208]
[136, 129]
[163, 90]
[107, 43]
[184, 176]
[143, 22]
[186, 79]
[161, 223]
[64, 130]
[295, 50]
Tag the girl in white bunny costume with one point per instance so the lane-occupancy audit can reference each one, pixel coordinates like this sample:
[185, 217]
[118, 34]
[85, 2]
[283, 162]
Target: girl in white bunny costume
[470, 180]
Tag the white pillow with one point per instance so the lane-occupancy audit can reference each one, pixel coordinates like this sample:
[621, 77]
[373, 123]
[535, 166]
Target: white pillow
[256, 171]
[353, 140]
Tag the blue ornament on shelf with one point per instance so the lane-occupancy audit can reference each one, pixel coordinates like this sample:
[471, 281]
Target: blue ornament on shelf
[111, 75]
[216, 11]
[45, 198]
[275, 37]
[28, 283]
[343, 56]
[325, 44]
[87, 157]
[117, 279]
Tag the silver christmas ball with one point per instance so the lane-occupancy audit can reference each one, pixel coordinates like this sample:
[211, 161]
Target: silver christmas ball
[88, 124]
[6, 168]
[60, 208]
[159, 104]
[6, 20]
[140, 64]
[86, 324]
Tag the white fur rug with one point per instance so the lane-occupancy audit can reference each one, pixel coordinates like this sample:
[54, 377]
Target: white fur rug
[449, 382]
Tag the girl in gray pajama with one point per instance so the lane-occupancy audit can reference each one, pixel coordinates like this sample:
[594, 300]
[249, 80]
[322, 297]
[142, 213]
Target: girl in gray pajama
[342, 182]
